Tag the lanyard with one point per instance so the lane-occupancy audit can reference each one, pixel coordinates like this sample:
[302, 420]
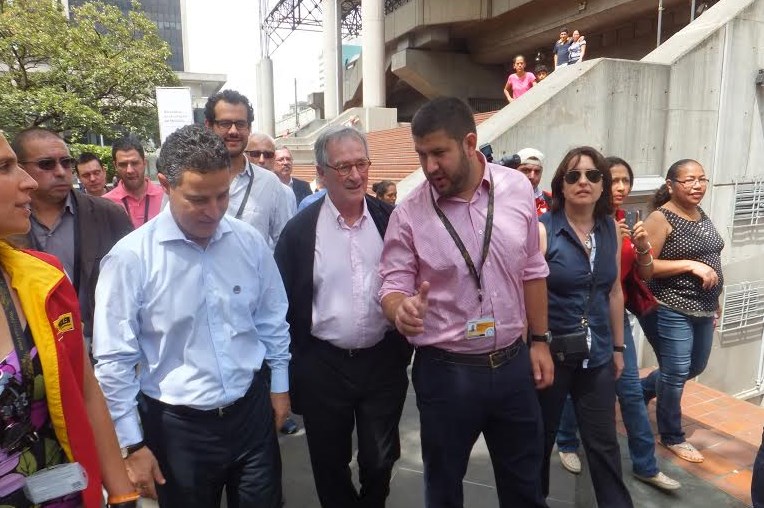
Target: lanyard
[246, 195]
[19, 339]
[458, 241]
[145, 207]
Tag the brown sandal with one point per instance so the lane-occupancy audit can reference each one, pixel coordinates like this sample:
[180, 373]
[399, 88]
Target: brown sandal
[686, 451]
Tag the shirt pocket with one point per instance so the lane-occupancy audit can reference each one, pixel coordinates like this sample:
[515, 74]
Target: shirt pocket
[240, 313]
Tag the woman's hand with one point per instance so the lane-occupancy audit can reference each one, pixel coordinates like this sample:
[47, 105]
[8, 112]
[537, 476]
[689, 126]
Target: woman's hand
[640, 238]
[623, 229]
[617, 364]
[705, 273]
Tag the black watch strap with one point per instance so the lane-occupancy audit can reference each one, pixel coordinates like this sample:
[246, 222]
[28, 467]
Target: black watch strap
[619, 349]
[134, 447]
[546, 337]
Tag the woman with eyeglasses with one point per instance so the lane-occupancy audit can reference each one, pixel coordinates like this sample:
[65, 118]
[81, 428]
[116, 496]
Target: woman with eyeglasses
[52, 412]
[687, 281]
[582, 246]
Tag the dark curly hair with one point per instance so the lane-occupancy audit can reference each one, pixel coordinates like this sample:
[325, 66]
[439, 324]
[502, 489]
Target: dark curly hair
[192, 148]
[231, 97]
[604, 205]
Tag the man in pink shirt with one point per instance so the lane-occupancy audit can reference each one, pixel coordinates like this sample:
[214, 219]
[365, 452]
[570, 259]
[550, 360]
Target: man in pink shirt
[519, 82]
[462, 275]
[141, 198]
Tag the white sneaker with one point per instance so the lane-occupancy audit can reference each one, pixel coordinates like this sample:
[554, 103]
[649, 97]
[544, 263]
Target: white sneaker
[570, 461]
[661, 481]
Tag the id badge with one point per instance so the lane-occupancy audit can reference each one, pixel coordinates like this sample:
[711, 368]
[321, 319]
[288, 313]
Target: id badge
[55, 482]
[481, 328]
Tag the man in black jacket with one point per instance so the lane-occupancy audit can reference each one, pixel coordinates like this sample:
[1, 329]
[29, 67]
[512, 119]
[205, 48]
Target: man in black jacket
[283, 169]
[348, 364]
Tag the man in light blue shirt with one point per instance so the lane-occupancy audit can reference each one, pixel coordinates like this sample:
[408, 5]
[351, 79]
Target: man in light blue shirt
[190, 321]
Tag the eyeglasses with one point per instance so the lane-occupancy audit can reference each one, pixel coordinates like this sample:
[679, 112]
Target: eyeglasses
[241, 125]
[344, 169]
[690, 183]
[574, 175]
[257, 153]
[49, 163]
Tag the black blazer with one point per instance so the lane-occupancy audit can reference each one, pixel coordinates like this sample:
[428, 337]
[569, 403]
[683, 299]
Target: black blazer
[100, 224]
[301, 189]
[294, 254]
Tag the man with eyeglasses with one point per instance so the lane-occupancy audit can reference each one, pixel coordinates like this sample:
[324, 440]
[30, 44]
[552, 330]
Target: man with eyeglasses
[261, 151]
[348, 363]
[76, 228]
[532, 165]
[283, 169]
[91, 173]
[256, 196]
[141, 198]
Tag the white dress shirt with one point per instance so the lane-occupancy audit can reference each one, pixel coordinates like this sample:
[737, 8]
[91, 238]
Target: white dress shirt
[197, 322]
[267, 208]
[346, 308]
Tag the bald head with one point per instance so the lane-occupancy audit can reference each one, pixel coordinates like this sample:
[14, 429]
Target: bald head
[261, 150]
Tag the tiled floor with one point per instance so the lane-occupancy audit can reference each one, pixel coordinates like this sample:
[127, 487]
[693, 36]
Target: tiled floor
[728, 433]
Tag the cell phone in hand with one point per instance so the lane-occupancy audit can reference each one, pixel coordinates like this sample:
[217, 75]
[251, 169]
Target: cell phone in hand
[632, 217]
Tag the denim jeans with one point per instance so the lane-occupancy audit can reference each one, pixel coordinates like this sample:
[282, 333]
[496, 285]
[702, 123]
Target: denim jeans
[682, 344]
[633, 410]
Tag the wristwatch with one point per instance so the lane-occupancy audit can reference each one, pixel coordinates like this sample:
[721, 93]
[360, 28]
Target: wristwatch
[129, 450]
[546, 337]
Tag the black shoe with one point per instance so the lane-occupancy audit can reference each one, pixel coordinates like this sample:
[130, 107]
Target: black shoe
[290, 426]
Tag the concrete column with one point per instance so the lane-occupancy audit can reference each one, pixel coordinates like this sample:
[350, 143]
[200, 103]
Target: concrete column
[332, 55]
[265, 118]
[373, 43]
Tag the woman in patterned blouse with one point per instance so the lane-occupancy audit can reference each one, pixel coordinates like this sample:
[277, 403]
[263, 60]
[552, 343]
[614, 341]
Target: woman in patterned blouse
[687, 281]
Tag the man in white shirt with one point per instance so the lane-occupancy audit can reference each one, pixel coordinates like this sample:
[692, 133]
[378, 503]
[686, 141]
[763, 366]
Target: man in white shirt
[261, 151]
[256, 194]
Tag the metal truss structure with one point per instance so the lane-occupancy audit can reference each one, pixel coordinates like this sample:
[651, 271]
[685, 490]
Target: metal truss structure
[306, 15]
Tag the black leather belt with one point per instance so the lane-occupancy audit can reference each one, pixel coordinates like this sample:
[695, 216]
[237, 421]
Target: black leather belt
[218, 412]
[494, 359]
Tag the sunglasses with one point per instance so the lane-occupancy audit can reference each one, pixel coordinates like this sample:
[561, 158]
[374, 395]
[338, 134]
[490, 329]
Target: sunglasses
[574, 175]
[49, 163]
[257, 153]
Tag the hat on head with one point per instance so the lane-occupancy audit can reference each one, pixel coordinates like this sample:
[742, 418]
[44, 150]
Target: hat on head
[531, 156]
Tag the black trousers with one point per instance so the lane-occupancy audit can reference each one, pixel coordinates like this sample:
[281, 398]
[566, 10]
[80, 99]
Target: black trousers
[200, 452]
[339, 390]
[459, 402]
[593, 394]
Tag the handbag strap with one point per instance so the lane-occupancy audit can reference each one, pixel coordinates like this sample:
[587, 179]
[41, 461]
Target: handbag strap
[20, 340]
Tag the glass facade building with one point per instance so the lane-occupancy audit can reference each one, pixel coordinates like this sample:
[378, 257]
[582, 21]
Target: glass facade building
[167, 17]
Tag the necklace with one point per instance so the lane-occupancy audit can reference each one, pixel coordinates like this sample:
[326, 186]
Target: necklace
[586, 236]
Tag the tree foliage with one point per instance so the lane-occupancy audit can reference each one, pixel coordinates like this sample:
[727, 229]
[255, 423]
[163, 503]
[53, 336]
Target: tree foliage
[93, 72]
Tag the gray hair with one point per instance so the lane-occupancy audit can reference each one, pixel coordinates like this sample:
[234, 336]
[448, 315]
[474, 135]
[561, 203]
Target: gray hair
[332, 133]
[192, 148]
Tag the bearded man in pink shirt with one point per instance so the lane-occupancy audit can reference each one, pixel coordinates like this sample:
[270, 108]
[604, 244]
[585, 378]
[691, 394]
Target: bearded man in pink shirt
[462, 275]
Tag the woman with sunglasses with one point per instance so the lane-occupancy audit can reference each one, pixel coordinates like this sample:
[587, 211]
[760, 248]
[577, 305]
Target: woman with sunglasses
[687, 281]
[52, 410]
[635, 255]
[582, 246]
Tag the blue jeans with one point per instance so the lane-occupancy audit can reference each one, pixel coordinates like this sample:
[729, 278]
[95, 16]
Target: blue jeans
[682, 344]
[633, 410]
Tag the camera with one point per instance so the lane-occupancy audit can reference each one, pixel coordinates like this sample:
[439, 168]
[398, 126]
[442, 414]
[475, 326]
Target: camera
[510, 161]
[487, 151]
[15, 415]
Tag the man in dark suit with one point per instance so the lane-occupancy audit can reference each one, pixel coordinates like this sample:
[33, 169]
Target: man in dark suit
[348, 365]
[283, 170]
[77, 228]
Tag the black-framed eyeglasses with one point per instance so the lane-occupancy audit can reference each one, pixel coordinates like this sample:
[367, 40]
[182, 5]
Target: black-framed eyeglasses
[49, 163]
[241, 125]
[257, 153]
[345, 168]
[574, 175]
[690, 182]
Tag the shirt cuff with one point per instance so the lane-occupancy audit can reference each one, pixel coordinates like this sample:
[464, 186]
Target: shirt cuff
[279, 380]
[129, 429]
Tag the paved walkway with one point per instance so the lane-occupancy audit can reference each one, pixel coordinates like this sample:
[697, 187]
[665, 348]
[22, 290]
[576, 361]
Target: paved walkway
[728, 432]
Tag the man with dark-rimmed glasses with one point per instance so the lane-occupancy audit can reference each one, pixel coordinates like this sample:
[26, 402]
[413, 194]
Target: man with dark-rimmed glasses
[348, 363]
[256, 195]
[76, 228]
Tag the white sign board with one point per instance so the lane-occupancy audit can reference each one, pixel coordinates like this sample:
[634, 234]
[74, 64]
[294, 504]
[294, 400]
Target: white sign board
[174, 109]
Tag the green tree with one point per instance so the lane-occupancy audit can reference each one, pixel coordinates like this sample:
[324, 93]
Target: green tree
[94, 72]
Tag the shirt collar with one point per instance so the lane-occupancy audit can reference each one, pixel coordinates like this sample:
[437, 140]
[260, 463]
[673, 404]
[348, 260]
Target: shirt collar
[69, 205]
[338, 217]
[167, 230]
[152, 189]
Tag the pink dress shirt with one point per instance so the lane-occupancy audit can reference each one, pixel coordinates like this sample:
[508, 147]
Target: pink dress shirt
[136, 209]
[346, 308]
[418, 248]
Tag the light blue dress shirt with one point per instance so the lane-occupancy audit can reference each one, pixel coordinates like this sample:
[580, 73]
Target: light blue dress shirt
[197, 323]
[309, 200]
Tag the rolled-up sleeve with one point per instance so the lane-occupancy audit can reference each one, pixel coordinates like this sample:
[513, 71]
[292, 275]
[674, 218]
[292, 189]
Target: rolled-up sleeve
[270, 322]
[115, 340]
[398, 267]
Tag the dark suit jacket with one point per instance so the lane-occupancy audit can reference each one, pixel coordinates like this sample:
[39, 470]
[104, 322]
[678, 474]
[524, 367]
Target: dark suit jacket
[101, 224]
[301, 189]
[294, 254]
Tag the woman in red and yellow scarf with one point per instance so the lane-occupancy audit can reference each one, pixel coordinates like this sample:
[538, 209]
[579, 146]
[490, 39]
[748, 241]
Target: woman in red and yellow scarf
[60, 416]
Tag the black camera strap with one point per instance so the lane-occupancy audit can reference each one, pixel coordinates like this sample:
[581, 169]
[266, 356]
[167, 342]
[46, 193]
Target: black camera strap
[20, 341]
